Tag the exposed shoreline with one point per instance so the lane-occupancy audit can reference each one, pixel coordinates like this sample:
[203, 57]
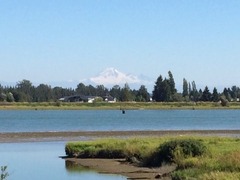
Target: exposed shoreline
[10, 137]
[121, 167]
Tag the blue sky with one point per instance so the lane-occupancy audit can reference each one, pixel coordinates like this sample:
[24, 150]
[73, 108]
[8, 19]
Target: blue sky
[59, 40]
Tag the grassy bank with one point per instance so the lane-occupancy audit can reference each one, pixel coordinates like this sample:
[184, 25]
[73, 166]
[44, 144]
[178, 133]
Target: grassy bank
[118, 105]
[196, 157]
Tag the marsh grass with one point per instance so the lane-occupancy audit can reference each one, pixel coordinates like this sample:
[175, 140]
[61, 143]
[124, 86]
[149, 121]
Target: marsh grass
[220, 160]
[216, 175]
[112, 148]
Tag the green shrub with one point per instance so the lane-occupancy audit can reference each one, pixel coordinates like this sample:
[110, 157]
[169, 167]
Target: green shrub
[176, 150]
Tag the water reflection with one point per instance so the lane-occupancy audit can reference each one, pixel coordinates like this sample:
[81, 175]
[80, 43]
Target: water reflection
[73, 167]
[88, 173]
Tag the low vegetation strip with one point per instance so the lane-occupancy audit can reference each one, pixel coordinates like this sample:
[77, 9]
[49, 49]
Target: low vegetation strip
[195, 157]
[115, 106]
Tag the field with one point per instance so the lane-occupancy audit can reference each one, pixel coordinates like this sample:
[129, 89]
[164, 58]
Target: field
[205, 158]
[118, 105]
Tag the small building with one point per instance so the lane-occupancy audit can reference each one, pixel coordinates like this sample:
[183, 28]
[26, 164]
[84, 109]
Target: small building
[109, 99]
[89, 99]
[78, 98]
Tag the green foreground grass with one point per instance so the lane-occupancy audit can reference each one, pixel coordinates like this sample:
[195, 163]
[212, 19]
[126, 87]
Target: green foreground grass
[117, 105]
[219, 160]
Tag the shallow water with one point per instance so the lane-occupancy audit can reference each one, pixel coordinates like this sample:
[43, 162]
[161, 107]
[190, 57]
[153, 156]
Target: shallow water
[40, 161]
[104, 120]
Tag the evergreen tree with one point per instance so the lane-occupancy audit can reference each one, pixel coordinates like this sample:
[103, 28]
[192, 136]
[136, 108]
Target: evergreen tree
[200, 93]
[189, 89]
[206, 96]
[81, 89]
[195, 95]
[43, 93]
[234, 92]
[215, 95]
[164, 90]
[91, 90]
[126, 94]
[59, 92]
[167, 93]
[116, 92]
[101, 91]
[157, 92]
[142, 94]
[171, 83]
[185, 92]
[227, 94]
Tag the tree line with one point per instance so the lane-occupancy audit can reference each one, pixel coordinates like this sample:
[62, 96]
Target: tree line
[24, 91]
[164, 90]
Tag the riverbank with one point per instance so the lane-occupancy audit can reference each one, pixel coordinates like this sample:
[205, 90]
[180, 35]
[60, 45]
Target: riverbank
[88, 135]
[120, 166]
[114, 106]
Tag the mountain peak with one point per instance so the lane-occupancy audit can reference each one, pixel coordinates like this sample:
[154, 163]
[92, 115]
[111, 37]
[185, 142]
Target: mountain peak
[110, 72]
[111, 76]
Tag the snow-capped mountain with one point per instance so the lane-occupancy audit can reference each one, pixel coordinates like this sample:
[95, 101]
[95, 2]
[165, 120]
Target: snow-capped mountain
[112, 76]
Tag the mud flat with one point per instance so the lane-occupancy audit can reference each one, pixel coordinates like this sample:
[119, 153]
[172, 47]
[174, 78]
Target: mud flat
[87, 135]
[120, 166]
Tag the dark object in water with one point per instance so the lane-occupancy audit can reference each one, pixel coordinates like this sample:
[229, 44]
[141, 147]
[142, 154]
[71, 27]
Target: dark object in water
[123, 111]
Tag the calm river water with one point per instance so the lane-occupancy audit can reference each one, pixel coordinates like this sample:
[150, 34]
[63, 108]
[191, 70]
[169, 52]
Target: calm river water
[101, 120]
[41, 160]
[38, 161]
